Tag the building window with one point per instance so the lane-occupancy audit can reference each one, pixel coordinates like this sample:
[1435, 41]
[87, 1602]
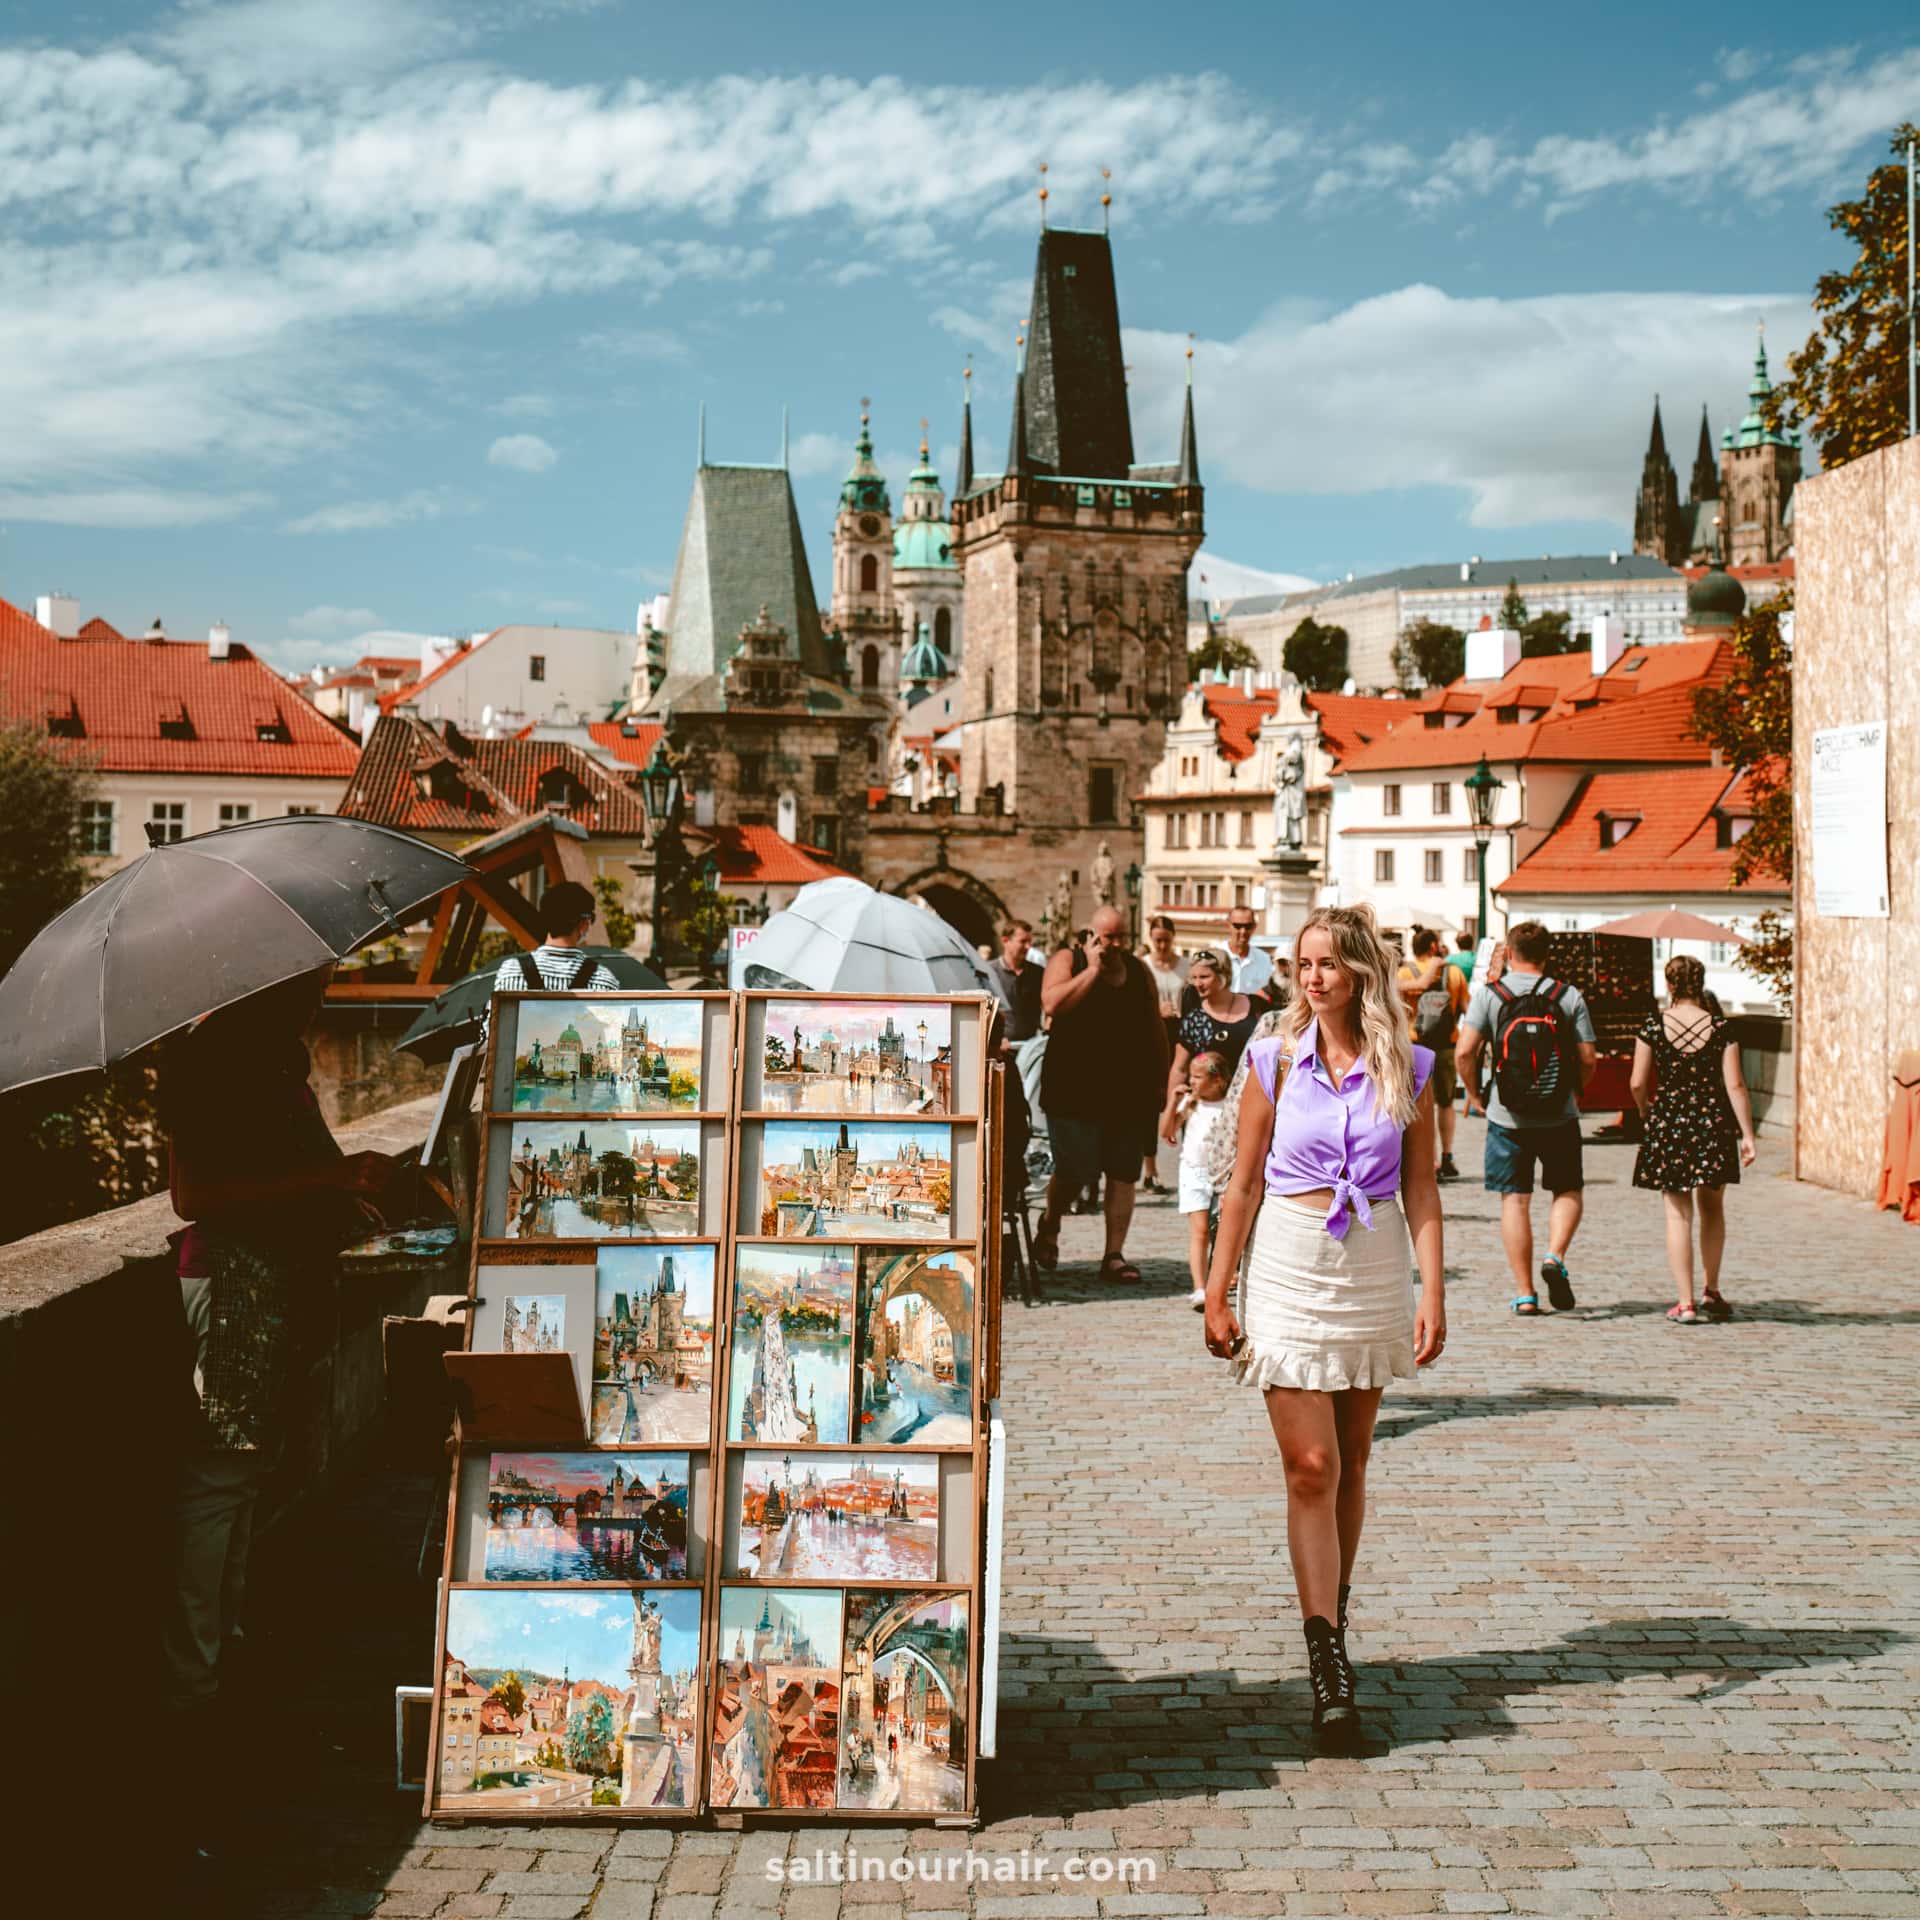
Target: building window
[536, 666]
[989, 700]
[869, 668]
[1206, 829]
[300, 808]
[233, 812]
[1719, 953]
[1729, 829]
[1246, 829]
[1103, 794]
[869, 574]
[1435, 867]
[1443, 796]
[826, 832]
[753, 773]
[1383, 866]
[1239, 893]
[1390, 801]
[1615, 827]
[826, 779]
[943, 631]
[170, 816]
[97, 833]
[1470, 867]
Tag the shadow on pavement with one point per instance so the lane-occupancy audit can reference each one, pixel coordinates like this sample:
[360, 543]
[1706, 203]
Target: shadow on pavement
[1083, 1737]
[1431, 1412]
[1785, 1313]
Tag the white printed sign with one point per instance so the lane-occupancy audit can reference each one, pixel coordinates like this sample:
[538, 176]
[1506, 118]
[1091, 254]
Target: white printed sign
[1849, 828]
[739, 942]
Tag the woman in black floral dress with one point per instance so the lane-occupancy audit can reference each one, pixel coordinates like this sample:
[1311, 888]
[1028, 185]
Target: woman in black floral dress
[1690, 1091]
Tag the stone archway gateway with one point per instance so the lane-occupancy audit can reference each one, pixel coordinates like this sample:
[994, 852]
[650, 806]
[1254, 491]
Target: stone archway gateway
[975, 912]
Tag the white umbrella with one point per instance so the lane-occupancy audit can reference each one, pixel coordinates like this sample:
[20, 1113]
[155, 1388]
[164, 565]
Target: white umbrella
[840, 936]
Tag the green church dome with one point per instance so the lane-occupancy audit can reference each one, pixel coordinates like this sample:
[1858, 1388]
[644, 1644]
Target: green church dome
[923, 543]
[1716, 599]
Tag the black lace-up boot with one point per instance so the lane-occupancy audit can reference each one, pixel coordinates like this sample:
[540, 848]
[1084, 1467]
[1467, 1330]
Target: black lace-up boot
[1336, 1722]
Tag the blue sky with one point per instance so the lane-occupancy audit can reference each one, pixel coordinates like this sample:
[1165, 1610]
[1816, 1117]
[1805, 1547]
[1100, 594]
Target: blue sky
[396, 314]
[588, 1634]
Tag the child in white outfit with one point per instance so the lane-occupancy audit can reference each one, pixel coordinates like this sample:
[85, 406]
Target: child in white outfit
[1204, 1106]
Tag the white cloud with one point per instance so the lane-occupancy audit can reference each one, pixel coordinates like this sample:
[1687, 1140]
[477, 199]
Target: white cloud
[857, 270]
[319, 623]
[363, 516]
[1536, 409]
[130, 507]
[635, 343]
[522, 453]
[525, 406]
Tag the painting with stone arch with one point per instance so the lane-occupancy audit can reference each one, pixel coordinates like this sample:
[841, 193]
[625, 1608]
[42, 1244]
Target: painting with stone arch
[653, 1336]
[857, 1056]
[602, 1179]
[776, 1711]
[607, 1055]
[791, 1360]
[586, 1516]
[865, 1178]
[913, 1335]
[839, 1516]
[534, 1323]
[569, 1703]
[903, 1702]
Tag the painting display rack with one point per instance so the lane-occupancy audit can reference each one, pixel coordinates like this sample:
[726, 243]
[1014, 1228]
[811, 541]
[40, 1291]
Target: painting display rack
[738, 1571]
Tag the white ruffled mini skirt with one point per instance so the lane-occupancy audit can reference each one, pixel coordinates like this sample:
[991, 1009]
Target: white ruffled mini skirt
[1325, 1314]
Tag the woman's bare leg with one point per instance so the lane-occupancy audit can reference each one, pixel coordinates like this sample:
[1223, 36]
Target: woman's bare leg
[1309, 1438]
[1680, 1244]
[1354, 1413]
[1712, 1202]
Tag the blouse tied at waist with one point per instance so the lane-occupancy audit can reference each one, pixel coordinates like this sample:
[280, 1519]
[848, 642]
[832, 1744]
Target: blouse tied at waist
[1328, 1136]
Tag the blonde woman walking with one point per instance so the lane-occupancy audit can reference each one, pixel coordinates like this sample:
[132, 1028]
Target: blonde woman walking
[1690, 1091]
[1333, 1178]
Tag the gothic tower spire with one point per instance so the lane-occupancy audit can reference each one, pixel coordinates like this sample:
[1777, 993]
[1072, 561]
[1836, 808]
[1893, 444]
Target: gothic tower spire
[1657, 527]
[1189, 474]
[1017, 430]
[963, 480]
[1705, 484]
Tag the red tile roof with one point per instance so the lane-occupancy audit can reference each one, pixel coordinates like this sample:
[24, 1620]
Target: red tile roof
[412, 688]
[388, 664]
[758, 855]
[121, 690]
[424, 779]
[631, 749]
[1350, 720]
[98, 629]
[1761, 578]
[1237, 716]
[1672, 851]
[1640, 709]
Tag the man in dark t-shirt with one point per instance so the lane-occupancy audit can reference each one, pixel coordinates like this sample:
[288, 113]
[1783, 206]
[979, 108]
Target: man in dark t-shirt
[1016, 982]
[1100, 1083]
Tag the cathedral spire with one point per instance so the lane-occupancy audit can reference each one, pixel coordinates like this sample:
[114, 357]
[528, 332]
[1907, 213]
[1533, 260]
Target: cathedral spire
[963, 480]
[1189, 474]
[1705, 484]
[1657, 440]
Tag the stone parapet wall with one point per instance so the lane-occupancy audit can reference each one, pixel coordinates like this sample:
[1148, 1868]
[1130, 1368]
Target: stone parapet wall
[1856, 628]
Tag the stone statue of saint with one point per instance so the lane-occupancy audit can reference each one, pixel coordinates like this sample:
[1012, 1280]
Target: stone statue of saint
[1290, 799]
[1103, 875]
[1061, 911]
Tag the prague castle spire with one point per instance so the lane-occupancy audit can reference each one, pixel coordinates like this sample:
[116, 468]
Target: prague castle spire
[1705, 484]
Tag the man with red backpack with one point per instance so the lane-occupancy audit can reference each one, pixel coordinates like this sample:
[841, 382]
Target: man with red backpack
[1538, 1036]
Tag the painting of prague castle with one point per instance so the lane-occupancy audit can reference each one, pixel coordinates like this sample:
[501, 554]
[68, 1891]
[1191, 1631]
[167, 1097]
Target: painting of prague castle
[607, 1056]
[866, 1178]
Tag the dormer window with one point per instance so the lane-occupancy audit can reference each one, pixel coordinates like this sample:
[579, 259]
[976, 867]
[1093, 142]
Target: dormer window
[1729, 829]
[176, 725]
[1615, 827]
[274, 732]
[1506, 716]
[64, 723]
[558, 788]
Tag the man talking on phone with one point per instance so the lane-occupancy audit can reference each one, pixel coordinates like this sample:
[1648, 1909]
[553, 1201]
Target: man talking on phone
[1100, 1083]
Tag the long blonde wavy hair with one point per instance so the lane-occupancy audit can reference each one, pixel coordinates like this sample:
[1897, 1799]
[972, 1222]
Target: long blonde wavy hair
[1367, 961]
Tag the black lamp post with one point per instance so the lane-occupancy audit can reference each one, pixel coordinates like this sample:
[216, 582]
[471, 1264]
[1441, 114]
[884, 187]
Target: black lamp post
[660, 795]
[1483, 790]
[1133, 901]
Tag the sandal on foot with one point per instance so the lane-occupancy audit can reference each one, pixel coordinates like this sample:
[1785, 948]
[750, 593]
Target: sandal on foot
[1553, 1270]
[1683, 1316]
[1046, 1246]
[1527, 1304]
[1116, 1266]
[1714, 1305]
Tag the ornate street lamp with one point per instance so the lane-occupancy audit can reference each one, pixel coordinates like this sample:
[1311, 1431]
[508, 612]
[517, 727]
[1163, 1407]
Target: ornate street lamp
[660, 796]
[1483, 792]
[660, 788]
[1133, 877]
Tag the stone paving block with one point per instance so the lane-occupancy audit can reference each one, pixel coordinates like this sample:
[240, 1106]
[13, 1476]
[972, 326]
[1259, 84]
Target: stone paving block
[623, 1900]
[544, 1906]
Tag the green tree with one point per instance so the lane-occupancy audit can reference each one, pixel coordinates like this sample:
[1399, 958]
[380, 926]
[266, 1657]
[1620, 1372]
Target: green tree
[1548, 633]
[1749, 718]
[1221, 650]
[1848, 385]
[42, 868]
[511, 1692]
[621, 926]
[590, 1736]
[708, 916]
[1316, 656]
[1429, 655]
[1513, 610]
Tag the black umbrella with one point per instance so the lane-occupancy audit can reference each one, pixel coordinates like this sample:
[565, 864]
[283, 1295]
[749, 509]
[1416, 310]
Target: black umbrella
[460, 1012]
[195, 925]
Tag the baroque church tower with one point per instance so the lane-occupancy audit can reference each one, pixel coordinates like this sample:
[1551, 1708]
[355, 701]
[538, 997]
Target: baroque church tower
[1075, 566]
[862, 609]
[1759, 469]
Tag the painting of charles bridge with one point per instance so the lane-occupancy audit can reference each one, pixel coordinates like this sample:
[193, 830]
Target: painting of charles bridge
[569, 1703]
[839, 1516]
[607, 1056]
[653, 1345]
[857, 1056]
[882, 1179]
[903, 1702]
[587, 1516]
[601, 1179]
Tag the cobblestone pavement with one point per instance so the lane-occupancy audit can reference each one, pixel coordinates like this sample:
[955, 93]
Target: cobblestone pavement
[1637, 1619]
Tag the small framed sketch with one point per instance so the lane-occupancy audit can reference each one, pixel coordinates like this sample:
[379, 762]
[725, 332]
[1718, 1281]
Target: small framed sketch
[538, 1308]
[776, 1714]
[598, 1054]
[839, 1516]
[569, 1703]
[653, 1346]
[903, 1702]
[790, 1364]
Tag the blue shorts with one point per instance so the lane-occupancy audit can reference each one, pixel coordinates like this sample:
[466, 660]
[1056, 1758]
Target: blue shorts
[1512, 1151]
